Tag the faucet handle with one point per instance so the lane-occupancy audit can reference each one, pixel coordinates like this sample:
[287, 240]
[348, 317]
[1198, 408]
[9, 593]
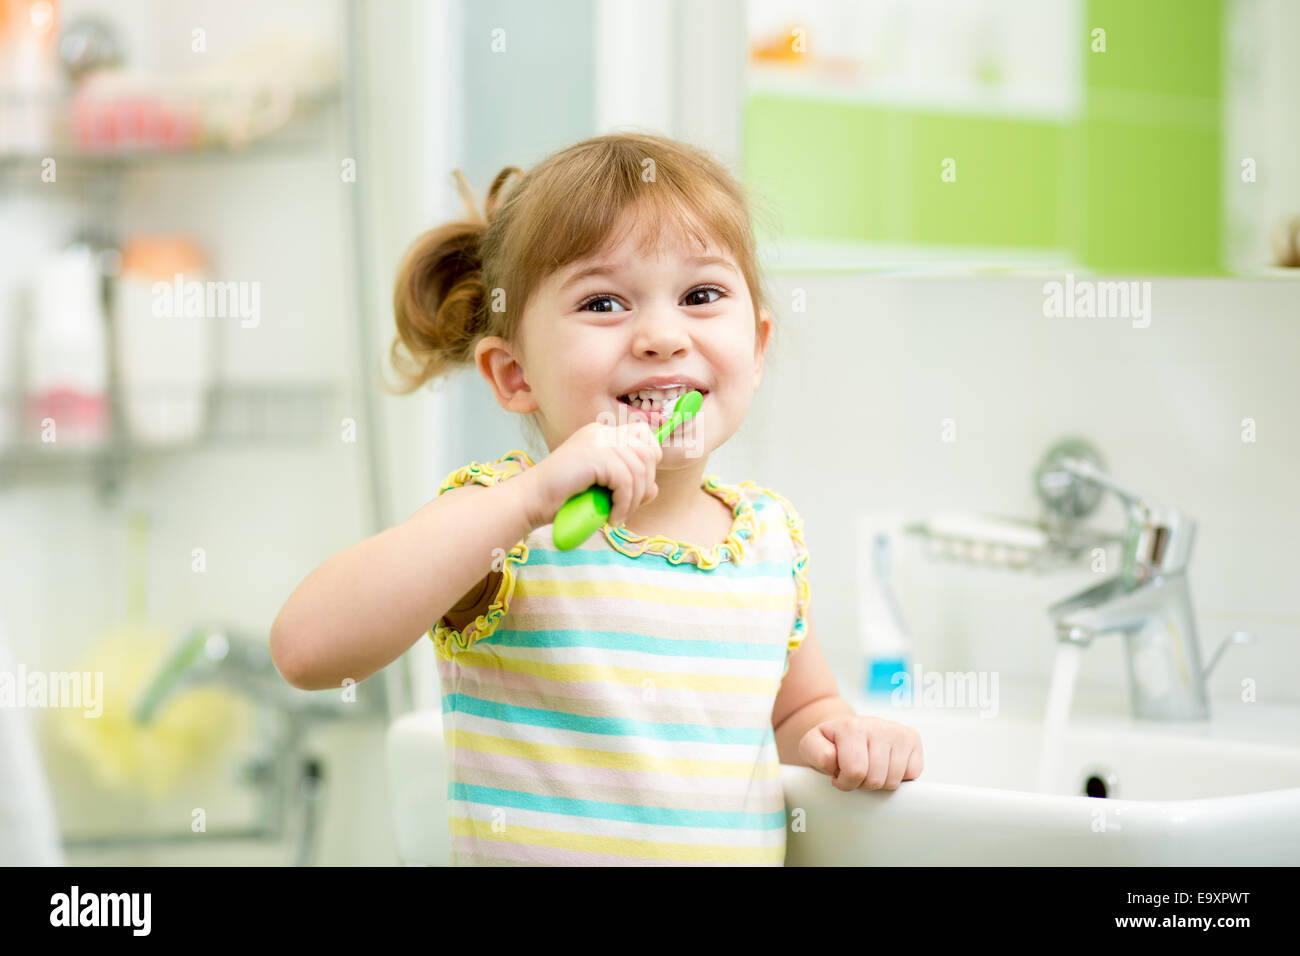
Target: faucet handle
[1065, 499]
[1236, 637]
[1158, 539]
[1086, 469]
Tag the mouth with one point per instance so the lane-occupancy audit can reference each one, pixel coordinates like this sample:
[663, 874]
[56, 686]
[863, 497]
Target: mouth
[652, 404]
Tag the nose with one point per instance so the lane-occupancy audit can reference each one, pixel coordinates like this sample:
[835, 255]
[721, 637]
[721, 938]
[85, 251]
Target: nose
[660, 334]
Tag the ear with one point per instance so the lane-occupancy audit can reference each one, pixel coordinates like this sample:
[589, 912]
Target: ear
[761, 336]
[497, 363]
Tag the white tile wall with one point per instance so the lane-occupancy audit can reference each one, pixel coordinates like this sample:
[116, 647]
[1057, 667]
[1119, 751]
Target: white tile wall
[848, 420]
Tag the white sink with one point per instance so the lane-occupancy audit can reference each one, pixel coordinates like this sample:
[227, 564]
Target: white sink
[1217, 793]
[417, 777]
[1185, 795]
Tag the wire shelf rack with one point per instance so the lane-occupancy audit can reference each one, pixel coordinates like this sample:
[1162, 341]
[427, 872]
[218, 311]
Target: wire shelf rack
[1035, 547]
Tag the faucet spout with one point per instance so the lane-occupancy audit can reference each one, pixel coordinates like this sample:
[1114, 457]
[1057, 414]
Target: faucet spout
[1148, 602]
[1115, 606]
[1166, 681]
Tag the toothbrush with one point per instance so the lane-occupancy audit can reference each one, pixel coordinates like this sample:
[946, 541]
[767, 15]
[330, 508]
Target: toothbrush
[582, 515]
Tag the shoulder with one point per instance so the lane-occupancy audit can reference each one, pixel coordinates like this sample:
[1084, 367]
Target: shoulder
[777, 527]
[770, 505]
[487, 473]
[780, 537]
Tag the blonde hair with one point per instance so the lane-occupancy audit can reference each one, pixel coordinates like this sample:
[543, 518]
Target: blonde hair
[453, 278]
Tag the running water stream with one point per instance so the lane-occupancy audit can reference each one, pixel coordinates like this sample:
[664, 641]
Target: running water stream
[1064, 673]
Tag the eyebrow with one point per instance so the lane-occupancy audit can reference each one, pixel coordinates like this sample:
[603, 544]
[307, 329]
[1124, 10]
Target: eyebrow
[609, 268]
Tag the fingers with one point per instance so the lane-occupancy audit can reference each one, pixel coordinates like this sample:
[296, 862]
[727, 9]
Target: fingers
[618, 478]
[915, 764]
[818, 752]
[636, 479]
[880, 759]
[899, 759]
[650, 454]
[878, 752]
[854, 760]
[639, 455]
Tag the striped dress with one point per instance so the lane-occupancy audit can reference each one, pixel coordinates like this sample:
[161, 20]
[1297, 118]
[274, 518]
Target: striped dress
[613, 705]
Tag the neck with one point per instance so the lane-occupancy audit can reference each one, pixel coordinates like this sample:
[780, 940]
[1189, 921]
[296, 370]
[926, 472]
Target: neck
[680, 494]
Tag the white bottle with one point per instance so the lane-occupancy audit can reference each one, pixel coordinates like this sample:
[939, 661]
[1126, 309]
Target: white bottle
[165, 355]
[886, 643]
[67, 354]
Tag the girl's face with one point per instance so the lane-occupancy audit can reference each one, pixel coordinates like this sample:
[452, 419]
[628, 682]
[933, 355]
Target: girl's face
[624, 322]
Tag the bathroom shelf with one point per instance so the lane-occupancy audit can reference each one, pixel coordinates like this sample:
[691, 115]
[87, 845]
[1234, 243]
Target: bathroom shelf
[1065, 546]
[109, 195]
[236, 415]
[309, 127]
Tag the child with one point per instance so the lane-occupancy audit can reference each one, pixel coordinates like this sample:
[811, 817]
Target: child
[626, 702]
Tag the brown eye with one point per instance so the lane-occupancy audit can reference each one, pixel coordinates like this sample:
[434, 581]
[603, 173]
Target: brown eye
[593, 300]
[703, 289]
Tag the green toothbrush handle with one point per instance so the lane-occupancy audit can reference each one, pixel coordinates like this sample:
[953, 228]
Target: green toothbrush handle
[581, 516]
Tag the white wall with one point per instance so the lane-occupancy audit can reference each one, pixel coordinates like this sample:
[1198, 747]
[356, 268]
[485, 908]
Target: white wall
[850, 423]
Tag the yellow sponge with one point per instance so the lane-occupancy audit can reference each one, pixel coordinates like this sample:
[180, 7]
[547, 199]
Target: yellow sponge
[190, 732]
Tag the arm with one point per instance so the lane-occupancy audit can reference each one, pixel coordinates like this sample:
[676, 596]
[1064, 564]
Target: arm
[807, 697]
[844, 743]
[367, 605]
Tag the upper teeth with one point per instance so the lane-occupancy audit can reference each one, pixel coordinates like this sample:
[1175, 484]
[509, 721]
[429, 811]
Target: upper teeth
[656, 397]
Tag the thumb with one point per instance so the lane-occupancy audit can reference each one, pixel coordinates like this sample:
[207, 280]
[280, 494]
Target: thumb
[820, 752]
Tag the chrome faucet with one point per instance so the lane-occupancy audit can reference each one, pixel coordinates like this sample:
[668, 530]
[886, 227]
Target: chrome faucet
[288, 777]
[1148, 601]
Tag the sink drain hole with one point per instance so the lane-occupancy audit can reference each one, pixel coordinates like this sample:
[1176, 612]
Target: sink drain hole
[1094, 786]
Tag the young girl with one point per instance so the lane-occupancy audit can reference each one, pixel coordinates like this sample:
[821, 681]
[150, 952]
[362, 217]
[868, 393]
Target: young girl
[626, 702]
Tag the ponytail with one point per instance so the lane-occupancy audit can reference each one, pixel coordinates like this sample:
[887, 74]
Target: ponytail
[440, 297]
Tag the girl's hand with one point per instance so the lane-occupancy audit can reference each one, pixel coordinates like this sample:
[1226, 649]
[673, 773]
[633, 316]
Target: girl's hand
[863, 752]
[623, 458]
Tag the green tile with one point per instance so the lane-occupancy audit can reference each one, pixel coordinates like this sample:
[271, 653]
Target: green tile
[1008, 180]
[1151, 199]
[837, 170]
[1133, 185]
[821, 169]
[1167, 47]
[1150, 138]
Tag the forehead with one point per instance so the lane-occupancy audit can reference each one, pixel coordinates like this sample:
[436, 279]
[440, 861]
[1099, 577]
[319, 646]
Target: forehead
[670, 244]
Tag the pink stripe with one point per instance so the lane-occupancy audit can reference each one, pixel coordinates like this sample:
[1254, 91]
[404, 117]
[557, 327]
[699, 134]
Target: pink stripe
[652, 611]
[594, 690]
[607, 776]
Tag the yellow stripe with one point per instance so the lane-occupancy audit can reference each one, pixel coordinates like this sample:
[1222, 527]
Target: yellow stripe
[562, 840]
[582, 757]
[625, 676]
[657, 594]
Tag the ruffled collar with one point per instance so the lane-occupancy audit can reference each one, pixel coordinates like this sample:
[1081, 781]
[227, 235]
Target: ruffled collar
[732, 548]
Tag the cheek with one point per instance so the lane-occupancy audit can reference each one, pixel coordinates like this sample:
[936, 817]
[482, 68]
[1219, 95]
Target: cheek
[580, 369]
[733, 355]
